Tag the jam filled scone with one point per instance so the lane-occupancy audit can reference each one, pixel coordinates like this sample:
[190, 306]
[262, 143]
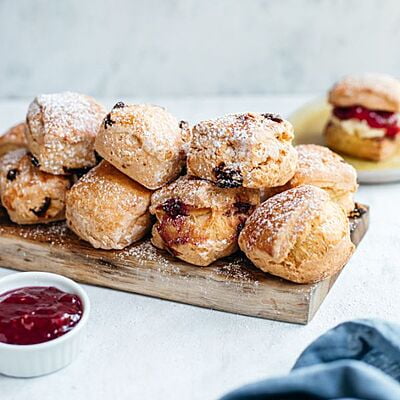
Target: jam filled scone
[199, 222]
[13, 139]
[61, 131]
[108, 209]
[319, 166]
[145, 142]
[29, 195]
[300, 235]
[250, 150]
[365, 120]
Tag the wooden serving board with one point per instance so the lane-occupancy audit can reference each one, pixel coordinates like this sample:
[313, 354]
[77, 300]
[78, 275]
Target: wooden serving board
[231, 284]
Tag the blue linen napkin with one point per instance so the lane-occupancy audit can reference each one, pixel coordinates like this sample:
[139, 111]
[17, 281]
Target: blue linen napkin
[356, 360]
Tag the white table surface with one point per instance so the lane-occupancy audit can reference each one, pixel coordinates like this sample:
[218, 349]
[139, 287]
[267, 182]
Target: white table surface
[143, 348]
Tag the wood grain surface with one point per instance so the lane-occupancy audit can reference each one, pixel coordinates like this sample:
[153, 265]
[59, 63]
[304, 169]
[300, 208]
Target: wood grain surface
[231, 284]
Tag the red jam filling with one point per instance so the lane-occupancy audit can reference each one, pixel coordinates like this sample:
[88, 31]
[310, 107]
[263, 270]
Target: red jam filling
[374, 118]
[37, 314]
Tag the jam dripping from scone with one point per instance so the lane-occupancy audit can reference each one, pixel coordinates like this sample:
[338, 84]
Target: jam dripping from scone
[41, 211]
[12, 174]
[374, 118]
[108, 122]
[227, 177]
[273, 117]
[172, 227]
[175, 208]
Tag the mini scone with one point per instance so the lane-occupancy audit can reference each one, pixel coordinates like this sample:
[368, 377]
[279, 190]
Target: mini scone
[199, 222]
[29, 195]
[13, 139]
[319, 166]
[61, 131]
[300, 235]
[250, 150]
[108, 209]
[365, 120]
[145, 142]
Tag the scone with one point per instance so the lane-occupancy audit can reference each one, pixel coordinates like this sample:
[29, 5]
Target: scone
[300, 235]
[199, 222]
[145, 142]
[61, 131]
[108, 209]
[365, 120]
[13, 139]
[250, 150]
[319, 166]
[29, 195]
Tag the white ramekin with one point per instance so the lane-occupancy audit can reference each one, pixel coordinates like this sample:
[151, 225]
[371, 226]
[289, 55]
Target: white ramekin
[40, 359]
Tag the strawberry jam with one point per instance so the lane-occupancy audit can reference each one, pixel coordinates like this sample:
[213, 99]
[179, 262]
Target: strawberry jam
[37, 314]
[374, 118]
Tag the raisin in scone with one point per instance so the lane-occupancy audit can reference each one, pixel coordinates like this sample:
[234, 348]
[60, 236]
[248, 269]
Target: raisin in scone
[61, 129]
[30, 195]
[145, 142]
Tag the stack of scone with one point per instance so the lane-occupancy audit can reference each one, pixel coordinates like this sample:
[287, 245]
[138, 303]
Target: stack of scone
[202, 186]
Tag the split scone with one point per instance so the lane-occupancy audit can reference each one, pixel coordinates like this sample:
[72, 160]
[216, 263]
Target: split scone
[319, 166]
[13, 139]
[61, 131]
[199, 222]
[365, 121]
[250, 150]
[145, 142]
[300, 235]
[29, 195]
[108, 209]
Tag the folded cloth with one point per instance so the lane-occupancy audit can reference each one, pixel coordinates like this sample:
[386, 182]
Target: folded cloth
[356, 360]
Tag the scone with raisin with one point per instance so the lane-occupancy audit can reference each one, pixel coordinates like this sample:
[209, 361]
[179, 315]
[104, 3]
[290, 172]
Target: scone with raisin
[144, 142]
[199, 222]
[30, 195]
[250, 150]
[61, 129]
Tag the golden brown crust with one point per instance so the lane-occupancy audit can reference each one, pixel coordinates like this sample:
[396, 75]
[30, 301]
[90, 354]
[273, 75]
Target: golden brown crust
[108, 209]
[250, 150]
[374, 149]
[13, 139]
[61, 131]
[199, 222]
[30, 195]
[373, 91]
[319, 166]
[300, 235]
[145, 142]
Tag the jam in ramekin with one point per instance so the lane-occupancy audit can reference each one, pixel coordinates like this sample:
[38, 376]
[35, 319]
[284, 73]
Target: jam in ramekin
[374, 118]
[37, 314]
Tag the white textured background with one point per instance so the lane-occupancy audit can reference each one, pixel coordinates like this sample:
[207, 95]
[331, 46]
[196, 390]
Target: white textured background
[192, 47]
